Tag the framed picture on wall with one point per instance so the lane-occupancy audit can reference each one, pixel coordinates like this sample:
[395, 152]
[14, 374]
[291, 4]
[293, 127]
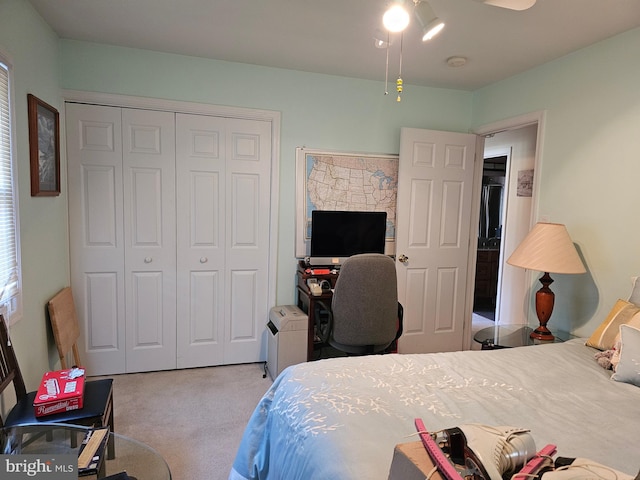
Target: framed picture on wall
[44, 148]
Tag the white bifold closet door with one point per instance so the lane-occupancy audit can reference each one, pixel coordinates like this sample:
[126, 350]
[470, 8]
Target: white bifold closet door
[169, 237]
[224, 177]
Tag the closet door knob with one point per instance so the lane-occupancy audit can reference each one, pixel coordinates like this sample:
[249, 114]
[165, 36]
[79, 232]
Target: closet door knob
[148, 259]
[204, 259]
[403, 259]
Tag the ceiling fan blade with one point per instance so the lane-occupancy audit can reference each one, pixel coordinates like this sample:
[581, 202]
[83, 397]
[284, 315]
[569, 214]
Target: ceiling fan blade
[511, 4]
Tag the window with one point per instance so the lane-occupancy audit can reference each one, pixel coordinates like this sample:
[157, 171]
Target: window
[10, 301]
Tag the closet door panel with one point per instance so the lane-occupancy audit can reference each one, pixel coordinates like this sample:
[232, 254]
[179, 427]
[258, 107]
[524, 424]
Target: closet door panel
[150, 239]
[247, 233]
[101, 310]
[201, 186]
[94, 163]
[244, 293]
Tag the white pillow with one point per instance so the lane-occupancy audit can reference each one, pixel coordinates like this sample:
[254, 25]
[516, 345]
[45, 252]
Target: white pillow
[628, 369]
[635, 292]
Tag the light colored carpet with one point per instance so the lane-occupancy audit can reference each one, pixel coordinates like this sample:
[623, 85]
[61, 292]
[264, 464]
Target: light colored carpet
[194, 418]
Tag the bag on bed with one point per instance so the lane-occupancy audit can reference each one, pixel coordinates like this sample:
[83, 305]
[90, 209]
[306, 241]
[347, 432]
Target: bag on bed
[584, 469]
[489, 452]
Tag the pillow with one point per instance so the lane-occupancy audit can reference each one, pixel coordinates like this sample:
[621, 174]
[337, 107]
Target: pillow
[604, 338]
[635, 292]
[628, 370]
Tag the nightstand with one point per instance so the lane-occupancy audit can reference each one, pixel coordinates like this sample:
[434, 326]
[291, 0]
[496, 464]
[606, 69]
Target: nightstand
[508, 336]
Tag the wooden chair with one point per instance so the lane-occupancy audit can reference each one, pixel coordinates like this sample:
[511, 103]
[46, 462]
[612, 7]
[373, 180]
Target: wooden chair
[65, 326]
[97, 410]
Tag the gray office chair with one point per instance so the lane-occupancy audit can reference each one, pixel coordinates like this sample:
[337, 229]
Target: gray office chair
[365, 316]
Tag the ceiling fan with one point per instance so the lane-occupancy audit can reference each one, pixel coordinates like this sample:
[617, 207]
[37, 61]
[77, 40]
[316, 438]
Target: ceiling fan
[396, 18]
[510, 4]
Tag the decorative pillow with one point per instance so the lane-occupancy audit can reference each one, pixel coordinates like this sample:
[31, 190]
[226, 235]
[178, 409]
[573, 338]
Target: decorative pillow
[635, 292]
[628, 369]
[604, 338]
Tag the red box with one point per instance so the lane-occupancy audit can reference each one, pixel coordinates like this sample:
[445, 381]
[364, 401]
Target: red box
[60, 391]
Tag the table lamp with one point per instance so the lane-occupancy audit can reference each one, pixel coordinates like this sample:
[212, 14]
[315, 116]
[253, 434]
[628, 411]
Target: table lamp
[547, 248]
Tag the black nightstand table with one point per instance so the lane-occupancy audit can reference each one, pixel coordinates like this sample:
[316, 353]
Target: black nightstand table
[509, 336]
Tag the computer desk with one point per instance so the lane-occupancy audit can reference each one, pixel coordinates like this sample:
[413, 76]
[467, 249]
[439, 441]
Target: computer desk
[307, 302]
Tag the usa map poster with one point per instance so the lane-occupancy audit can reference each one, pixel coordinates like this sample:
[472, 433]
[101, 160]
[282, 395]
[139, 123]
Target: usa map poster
[344, 181]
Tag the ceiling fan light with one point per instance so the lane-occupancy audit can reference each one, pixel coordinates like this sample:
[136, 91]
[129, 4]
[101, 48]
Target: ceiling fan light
[381, 39]
[432, 29]
[396, 18]
[431, 25]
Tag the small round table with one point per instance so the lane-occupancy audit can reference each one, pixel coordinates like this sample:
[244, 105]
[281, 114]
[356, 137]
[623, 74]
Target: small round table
[139, 461]
[508, 336]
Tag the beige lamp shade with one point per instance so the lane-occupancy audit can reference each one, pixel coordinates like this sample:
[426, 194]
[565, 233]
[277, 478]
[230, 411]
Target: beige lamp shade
[547, 248]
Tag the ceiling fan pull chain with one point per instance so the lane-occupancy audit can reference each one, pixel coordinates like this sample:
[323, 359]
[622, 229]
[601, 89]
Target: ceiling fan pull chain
[386, 70]
[399, 80]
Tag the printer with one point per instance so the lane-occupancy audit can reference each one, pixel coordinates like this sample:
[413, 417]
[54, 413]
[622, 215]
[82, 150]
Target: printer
[287, 343]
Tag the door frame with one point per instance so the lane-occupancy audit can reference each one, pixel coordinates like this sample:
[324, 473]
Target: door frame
[177, 106]
[490, 129]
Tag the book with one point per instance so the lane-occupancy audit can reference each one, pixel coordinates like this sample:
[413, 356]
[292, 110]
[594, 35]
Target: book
[91, 453]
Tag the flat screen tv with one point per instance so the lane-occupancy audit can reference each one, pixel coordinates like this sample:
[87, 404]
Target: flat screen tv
[337, 234]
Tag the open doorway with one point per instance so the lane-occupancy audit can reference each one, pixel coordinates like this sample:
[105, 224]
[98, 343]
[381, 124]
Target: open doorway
[507, 296]
[490, 224]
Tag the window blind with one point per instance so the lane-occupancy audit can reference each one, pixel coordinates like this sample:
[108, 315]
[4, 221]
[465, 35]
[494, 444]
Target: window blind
[8, 241]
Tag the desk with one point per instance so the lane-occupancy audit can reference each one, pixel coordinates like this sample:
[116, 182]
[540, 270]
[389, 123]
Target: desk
[307, 302]
[137, 459]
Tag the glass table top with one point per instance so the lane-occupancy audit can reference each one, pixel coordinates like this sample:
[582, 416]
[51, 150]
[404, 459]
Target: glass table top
[514, 336]
[138, 460]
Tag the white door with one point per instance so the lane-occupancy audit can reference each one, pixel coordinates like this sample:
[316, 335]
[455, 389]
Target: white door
[248, 200]
[96, 237]
[201, 182]
[223, 178]
[170, 239]
[435, 188]
[149, 238]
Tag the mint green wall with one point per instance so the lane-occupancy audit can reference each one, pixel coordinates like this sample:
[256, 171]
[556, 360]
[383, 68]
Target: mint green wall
[318, 111]
[590, 166]
[33, 50]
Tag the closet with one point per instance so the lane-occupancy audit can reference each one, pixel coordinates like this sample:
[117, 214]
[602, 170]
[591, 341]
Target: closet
[169, 217]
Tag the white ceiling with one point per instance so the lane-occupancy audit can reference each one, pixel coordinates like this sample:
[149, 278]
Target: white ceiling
[336, 36]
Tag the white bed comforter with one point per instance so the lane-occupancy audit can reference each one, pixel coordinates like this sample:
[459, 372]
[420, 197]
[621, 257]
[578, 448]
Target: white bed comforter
[341, 418]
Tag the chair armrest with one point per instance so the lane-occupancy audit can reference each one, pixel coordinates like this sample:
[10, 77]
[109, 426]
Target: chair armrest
[400, 321]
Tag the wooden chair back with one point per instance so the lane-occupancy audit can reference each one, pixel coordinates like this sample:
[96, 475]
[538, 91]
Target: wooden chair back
[9, 369]
[64, 322]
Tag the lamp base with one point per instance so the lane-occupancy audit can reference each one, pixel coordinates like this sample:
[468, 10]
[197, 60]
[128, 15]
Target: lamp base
[545, 299]
[543, 334]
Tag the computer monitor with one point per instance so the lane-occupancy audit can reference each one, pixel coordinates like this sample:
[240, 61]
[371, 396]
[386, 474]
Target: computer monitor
[338, 234]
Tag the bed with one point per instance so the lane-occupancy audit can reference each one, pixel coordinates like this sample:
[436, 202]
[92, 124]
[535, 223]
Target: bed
[341, 418]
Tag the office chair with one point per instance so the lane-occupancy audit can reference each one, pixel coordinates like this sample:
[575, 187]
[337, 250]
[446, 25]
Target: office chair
[365, 316]
[97, 410]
